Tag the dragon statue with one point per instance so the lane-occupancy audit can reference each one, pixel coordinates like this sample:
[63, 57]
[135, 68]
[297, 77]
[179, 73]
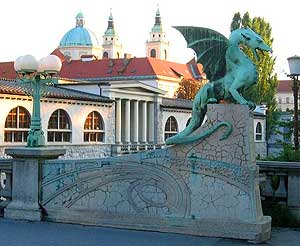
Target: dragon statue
[228, 69]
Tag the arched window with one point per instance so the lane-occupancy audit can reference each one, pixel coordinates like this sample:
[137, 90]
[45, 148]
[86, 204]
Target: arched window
[118, 55]
[171, 127]
[105, 54]
[93, 128]
[17, 125]
[188, 122]
[153, 53]
[59, 127]
[258, 132]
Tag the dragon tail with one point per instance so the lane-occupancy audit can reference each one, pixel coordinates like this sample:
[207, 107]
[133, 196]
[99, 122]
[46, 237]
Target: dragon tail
[196, 121]
[185, 137]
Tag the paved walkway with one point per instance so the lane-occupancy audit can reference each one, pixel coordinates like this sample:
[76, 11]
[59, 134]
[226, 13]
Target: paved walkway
[23, 233]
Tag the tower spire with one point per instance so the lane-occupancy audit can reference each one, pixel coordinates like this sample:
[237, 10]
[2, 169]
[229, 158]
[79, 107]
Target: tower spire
[110, 27]
[111, 46]
[80, 20]
[157, 46]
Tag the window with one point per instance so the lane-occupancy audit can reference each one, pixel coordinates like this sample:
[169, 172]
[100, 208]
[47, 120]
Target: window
[280, 100]
[59, 127]
[258, 132]
[17, 125]
[188, 122]
[93, 128]
[105, 54]
[171, 127]
[153, 53]
[287, 100]
[165, 52]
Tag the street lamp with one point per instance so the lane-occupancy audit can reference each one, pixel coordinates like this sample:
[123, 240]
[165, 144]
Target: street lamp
[35, 76]
[294, 64]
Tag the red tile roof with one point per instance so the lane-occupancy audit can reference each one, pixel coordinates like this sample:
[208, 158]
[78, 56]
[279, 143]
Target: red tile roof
[15, 88]
[7, 70]
[59, 54]
[103, 69]
[285, 86]
[133, 67]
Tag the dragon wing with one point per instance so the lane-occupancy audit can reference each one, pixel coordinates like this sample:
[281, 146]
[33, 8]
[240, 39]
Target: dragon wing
[210, 47]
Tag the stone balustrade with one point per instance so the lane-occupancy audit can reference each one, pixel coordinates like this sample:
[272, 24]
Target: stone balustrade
[5, 183]
[119, 149]
[281, 183]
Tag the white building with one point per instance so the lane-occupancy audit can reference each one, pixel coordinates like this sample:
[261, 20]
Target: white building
[106, 104]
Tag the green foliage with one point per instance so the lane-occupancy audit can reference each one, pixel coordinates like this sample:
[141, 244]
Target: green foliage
[287, 154]
[188, 88]
[281, 216]
[266, 87]
[236, 22]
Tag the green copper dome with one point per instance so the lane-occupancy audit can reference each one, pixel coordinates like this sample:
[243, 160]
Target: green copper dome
[79, 35]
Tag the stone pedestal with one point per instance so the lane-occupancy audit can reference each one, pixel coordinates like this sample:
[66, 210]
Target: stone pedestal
[27, 165]
[206, 188]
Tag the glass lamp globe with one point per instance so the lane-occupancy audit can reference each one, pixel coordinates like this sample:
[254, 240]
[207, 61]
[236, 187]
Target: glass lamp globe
[52, 64]
[294, 64]
[28, 63]
[17, 64]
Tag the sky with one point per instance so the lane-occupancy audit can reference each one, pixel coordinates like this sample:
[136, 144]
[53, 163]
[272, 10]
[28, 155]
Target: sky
[37, 26]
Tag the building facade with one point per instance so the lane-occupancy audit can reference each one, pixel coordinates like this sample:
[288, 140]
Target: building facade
[106, 104]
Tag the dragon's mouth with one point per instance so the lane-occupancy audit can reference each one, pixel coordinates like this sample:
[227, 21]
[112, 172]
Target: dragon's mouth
[260, 50]
[256, 56]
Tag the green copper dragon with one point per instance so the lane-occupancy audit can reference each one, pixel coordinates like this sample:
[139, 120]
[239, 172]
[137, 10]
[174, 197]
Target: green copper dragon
[229, 70]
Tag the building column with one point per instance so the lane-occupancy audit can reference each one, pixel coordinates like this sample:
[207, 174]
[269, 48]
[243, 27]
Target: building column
[118, 121]
[151, 122]
[143, 122]
[127, 122]
[135, 122]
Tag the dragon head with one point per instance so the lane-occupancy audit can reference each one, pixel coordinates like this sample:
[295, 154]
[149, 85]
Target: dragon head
[251, 39]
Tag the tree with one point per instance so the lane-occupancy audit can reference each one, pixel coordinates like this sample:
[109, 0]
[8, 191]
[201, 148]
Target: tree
[266, 87]
[236, 22]
[188, 88]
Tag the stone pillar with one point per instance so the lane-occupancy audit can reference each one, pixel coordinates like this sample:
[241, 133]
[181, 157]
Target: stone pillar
[143, 138]
[118, 120]
[151, 122]
[294, 190]
[135, 122]
[27, 166]
[127, 122]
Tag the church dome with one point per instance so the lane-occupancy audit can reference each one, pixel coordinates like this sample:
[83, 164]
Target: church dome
[79, 35]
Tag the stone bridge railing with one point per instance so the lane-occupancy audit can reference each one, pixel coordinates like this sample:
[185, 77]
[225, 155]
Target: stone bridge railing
[280, 183]
[5, 182]
[120, 149]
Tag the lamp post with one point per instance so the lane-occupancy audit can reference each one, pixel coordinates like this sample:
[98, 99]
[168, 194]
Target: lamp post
[35, 75]
[294, 65]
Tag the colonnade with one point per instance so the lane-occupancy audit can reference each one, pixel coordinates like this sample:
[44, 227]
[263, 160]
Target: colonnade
[134, 121]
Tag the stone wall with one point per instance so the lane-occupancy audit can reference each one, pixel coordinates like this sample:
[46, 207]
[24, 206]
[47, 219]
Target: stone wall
[207, 188]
